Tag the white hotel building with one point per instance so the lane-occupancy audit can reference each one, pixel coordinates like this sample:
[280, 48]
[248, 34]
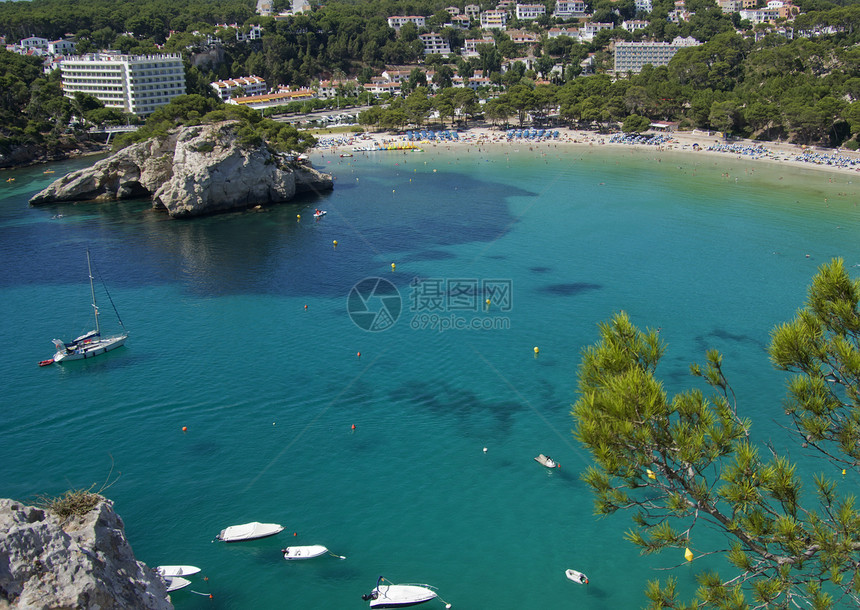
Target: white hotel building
[132, 83]
[632, 56]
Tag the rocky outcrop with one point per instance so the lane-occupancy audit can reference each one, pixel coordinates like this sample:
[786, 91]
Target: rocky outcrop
[193, 171]
[83, 562]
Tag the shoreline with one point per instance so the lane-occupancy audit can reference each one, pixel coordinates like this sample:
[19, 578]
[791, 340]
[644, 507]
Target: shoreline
[695, 142]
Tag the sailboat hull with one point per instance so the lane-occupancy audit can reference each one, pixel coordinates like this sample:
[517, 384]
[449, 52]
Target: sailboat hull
[91, 349]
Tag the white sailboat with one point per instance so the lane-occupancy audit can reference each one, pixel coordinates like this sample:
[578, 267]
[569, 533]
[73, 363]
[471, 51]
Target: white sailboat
[89, 344]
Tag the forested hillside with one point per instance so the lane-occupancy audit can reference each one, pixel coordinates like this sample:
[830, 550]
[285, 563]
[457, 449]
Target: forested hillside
[804, 89]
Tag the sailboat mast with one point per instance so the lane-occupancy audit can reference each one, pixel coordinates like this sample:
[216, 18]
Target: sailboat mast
[93, 291]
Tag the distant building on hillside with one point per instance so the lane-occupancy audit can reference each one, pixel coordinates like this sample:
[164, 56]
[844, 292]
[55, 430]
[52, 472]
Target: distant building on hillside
[568, 9]
[247, 85]
[472, 11]
[434, 43]
[729, 6]
[268, 100]
[470, 48]
[522, 36]
[633, 56]
[572, 32]
[139, 84]
[494, 20]
[61, 47]
[760, 15]
[33, 42]
[589, 30]
[398, 21]
[633, 25]
[528, 12]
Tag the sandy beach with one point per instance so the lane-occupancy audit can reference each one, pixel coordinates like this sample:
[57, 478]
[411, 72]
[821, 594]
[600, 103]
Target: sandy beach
[696, 142]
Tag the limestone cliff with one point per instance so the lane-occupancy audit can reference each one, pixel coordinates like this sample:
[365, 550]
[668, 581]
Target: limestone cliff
[83, 562]
[193, 171]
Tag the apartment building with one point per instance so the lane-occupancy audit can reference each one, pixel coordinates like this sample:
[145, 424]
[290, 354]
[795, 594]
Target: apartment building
[61, 47]
[398, 21]
[139, 84]
[568, 9]
[470, 48]
[494, 20]
[248, 85]
[632, 56]
[528, 12]
[573, 32]
[522, 36]
[760, 15]
[33, 42]
[633, 25]
[589, 30]
[434, 43]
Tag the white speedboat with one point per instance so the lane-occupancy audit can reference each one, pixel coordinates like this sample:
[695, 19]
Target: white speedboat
[319, 213]
[89, 344]
[171, 571]
[576, 576]
[249, 531]
[547, 461]
[389, 595]
[177, 582]
[304, 552]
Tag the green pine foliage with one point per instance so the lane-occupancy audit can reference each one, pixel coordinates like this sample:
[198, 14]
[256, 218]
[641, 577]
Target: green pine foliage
[680, 463]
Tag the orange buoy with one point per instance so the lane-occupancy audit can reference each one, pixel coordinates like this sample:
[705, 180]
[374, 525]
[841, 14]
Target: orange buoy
[306, 306]
[353, 426]
[185, 428]
[359, 354]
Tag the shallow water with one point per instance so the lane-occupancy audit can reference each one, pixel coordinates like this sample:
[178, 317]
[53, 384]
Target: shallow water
[241, 331]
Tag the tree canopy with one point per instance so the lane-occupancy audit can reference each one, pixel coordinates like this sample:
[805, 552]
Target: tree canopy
[692, 460]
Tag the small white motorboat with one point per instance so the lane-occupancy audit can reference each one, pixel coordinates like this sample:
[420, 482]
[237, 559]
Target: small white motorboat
[249, 531]
[389, 595]
[547, 461]
[171, 571]
[177, 582]
[319, 213]
[576, 576]
[304, 552]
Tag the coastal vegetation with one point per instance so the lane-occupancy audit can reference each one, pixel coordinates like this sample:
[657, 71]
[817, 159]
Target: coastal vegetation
[692, 461]
[195, 109]
[741, 81]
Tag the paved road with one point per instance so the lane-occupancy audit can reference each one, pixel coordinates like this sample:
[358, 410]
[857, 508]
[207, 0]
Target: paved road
[319, 114]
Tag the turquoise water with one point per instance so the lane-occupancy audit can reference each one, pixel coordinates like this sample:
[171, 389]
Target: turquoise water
[712, 251]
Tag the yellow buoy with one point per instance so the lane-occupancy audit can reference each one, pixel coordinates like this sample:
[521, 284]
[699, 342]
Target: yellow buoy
[536, 349]
[688, 555]
[298, 216]
[843, 472]
[334, 242]
[392, 266]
